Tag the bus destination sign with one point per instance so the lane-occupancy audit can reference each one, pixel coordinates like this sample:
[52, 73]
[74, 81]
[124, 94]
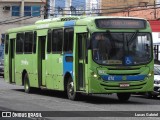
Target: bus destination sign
[120, 23]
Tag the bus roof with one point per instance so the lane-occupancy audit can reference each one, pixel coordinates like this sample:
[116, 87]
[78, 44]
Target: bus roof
[63, 21]
[77, 18]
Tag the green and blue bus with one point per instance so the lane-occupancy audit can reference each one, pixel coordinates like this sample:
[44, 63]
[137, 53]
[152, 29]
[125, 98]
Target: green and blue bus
[82, 55]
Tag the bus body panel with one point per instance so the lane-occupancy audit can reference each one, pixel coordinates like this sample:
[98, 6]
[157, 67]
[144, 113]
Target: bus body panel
[68, 64]
[26, 63]
[6, 59]
[101, 85]
[6, 68]
[57, 71]
[49, 71]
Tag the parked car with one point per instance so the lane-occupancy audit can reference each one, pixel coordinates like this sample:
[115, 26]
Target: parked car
[2, 59]
[2, 67]
[156, 90]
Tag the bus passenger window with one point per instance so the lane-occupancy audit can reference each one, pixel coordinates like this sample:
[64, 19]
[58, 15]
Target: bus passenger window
[19, 42]
[28, 42]
[34, 42]
[57, 38]
[68, 40]
[49, 41]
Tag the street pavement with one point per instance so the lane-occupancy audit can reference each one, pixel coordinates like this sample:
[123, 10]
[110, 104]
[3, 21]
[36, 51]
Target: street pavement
[13, 98]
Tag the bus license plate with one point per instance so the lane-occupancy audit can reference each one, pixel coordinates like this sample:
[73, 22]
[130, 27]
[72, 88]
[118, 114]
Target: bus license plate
[124, 85]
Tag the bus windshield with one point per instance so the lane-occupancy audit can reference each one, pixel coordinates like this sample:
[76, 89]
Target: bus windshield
[121, 48]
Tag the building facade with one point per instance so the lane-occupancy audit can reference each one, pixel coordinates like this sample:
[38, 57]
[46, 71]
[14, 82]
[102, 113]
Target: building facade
[73, 7]
[111, 6]
[147, 9]
[16, 13]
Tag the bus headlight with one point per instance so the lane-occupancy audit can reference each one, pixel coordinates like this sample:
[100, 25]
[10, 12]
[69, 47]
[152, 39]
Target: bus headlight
[150, 74]
[94, 74]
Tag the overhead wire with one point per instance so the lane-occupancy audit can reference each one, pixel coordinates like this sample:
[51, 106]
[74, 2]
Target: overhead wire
[19, 19]
[121, 9]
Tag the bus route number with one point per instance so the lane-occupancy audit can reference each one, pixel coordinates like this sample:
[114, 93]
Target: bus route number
[110, 77]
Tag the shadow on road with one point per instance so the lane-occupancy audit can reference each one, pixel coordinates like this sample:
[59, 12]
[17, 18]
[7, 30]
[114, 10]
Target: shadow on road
[93, 99]
[107, 99]
[145, 97]
[50, 93]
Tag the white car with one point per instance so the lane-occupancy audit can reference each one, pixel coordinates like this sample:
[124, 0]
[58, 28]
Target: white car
[156, 90]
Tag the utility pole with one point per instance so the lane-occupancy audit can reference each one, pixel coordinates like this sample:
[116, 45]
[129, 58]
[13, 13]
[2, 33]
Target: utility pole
[155, 12]
[22, 8]
[46, 6]
[67, 7]
[128, 10]
[22, 11]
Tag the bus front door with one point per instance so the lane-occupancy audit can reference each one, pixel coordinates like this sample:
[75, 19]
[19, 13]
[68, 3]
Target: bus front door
[12, 61]
[41, 61]
[81, 83]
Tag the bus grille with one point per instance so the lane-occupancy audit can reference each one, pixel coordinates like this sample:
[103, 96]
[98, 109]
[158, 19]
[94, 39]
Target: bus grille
[132, 86]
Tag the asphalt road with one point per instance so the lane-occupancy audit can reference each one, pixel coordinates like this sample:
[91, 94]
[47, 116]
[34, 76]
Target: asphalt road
[51, 103]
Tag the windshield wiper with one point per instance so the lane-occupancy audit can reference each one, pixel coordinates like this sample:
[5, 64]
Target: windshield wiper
[132, 38]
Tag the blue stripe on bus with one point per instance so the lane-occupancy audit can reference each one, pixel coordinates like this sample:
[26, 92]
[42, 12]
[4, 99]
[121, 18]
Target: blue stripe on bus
[124, 78]
[111, 77]
[69, 23]
[67, 66]
[136, 77]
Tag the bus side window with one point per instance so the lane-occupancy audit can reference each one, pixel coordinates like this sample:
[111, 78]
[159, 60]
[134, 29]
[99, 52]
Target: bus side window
[68, 40]
[28, 42]
[34, 42]
[49, 41]
[19, 43]
[57, 38]
[6, 44]
[80, 54]
[60, 40]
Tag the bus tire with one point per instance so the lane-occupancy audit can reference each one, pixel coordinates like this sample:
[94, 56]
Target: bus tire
[27, 87]
[123, 96]
[71, 94]
[148, 95]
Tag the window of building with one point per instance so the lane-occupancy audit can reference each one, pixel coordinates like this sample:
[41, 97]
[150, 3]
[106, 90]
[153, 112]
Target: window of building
[27, 10]
[57, 39]
[15, 10]
[28, 42]
[36, 10]
[32, 11]
[68, 40]
[19, 42]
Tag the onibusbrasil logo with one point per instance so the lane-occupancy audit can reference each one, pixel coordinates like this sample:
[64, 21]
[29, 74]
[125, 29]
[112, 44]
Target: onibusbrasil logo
[22, 114]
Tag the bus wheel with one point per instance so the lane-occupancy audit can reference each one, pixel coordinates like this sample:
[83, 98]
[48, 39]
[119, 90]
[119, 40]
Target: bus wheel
[27, 88]
[123, 96]
[70, 90]
[148, 95]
